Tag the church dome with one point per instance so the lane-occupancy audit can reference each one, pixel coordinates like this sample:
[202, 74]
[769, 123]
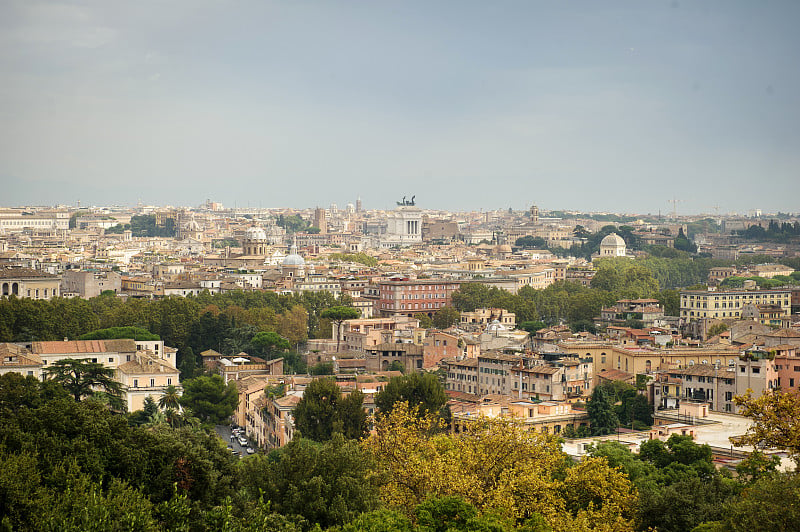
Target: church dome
[192, 225]
[255, 233]
[293, 259]
[612, 239]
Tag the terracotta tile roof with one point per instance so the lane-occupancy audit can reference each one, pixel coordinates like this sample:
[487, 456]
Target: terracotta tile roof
[23, 273]
[615, 375]
[83, 346]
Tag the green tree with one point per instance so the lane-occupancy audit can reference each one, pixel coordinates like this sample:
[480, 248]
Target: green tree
[209, 398]
[532, 326]
[602, 417]
[419, 390]
[82, 378]
[134, 333]
[446, 317]
[772, 504]
[337, 315]
[328, 484]
[269, 343]
[424, 320]
[531, 242]
[682, 243]
[322, 412]
[171, 398]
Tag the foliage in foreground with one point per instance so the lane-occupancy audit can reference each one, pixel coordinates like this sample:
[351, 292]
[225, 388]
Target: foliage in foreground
[76, 465]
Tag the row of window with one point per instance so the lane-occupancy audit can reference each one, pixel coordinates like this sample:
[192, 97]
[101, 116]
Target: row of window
[152, 382]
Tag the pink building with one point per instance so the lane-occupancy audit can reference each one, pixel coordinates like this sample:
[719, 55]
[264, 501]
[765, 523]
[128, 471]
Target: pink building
[787, 364]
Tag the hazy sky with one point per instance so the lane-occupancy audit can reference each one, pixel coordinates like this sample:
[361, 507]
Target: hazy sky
[589, 105]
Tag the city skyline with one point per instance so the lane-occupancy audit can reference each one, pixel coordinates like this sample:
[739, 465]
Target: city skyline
[620, 107]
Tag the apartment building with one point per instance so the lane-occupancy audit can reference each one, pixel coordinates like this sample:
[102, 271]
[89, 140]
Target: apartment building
[721, 304]
[409, 297]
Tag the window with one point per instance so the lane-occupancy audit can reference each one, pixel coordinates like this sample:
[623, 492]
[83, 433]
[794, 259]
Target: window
[756, 370]
[111, 359]
[169, 381]
[152, 382]
[135, 383]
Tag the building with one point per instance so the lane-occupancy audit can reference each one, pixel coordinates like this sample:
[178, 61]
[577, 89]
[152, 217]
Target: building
[17, 359]
[484, 316]
[320, 221]
[566, 379]
[787, 364]
[648, 311]
[709, 383]
[381, 357]
[254, 242]
[612, 245]
[409, 297]
[547, 417]
[356, 336]
[88, 284]
[28, 283]
[145, 375]
[144, 369]
[494, 373]
[721, 304]
[403, 226]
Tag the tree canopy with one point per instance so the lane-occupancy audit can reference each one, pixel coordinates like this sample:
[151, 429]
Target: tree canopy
[323, 412]
[82, 378]
[422, 391]
[209, 398]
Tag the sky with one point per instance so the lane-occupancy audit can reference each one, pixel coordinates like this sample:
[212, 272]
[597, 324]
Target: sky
[587, 105]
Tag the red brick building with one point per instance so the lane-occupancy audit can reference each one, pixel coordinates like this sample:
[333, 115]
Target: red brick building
[406, 298]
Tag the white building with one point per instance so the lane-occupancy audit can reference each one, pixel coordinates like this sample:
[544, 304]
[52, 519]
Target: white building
[612, 246]
[404, 227]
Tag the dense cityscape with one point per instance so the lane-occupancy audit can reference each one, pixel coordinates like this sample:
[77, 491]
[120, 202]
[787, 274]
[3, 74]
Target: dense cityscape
[328, 266]
[216, 368]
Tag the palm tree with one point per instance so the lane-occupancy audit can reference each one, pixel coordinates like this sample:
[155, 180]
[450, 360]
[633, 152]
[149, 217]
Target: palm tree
[82, 378]
[171, 399]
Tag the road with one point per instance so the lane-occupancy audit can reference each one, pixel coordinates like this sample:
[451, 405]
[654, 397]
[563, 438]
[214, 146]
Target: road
[224, 432]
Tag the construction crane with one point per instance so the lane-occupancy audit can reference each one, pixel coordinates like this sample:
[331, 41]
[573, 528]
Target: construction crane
[674, 202]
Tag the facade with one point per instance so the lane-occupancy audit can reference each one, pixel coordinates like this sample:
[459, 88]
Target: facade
[721, 304]
[495, 373]
[145, 375]
[88, 284]
[17, 359]
[381, 357]
[787, 364]
[708, 383]
[648, 311]
[28, 283]
[485, 316]
[546, 417]
[612, 245]
[356, 336]
[255, 242]
[406, 298]
[462, 375]
[403, 227]
[142, 368]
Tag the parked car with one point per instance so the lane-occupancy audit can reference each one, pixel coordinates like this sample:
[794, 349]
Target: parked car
[250, 450]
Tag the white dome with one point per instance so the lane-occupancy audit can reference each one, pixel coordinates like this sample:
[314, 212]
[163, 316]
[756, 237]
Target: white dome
[255, 233]
[612, 239]
[293, 259]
